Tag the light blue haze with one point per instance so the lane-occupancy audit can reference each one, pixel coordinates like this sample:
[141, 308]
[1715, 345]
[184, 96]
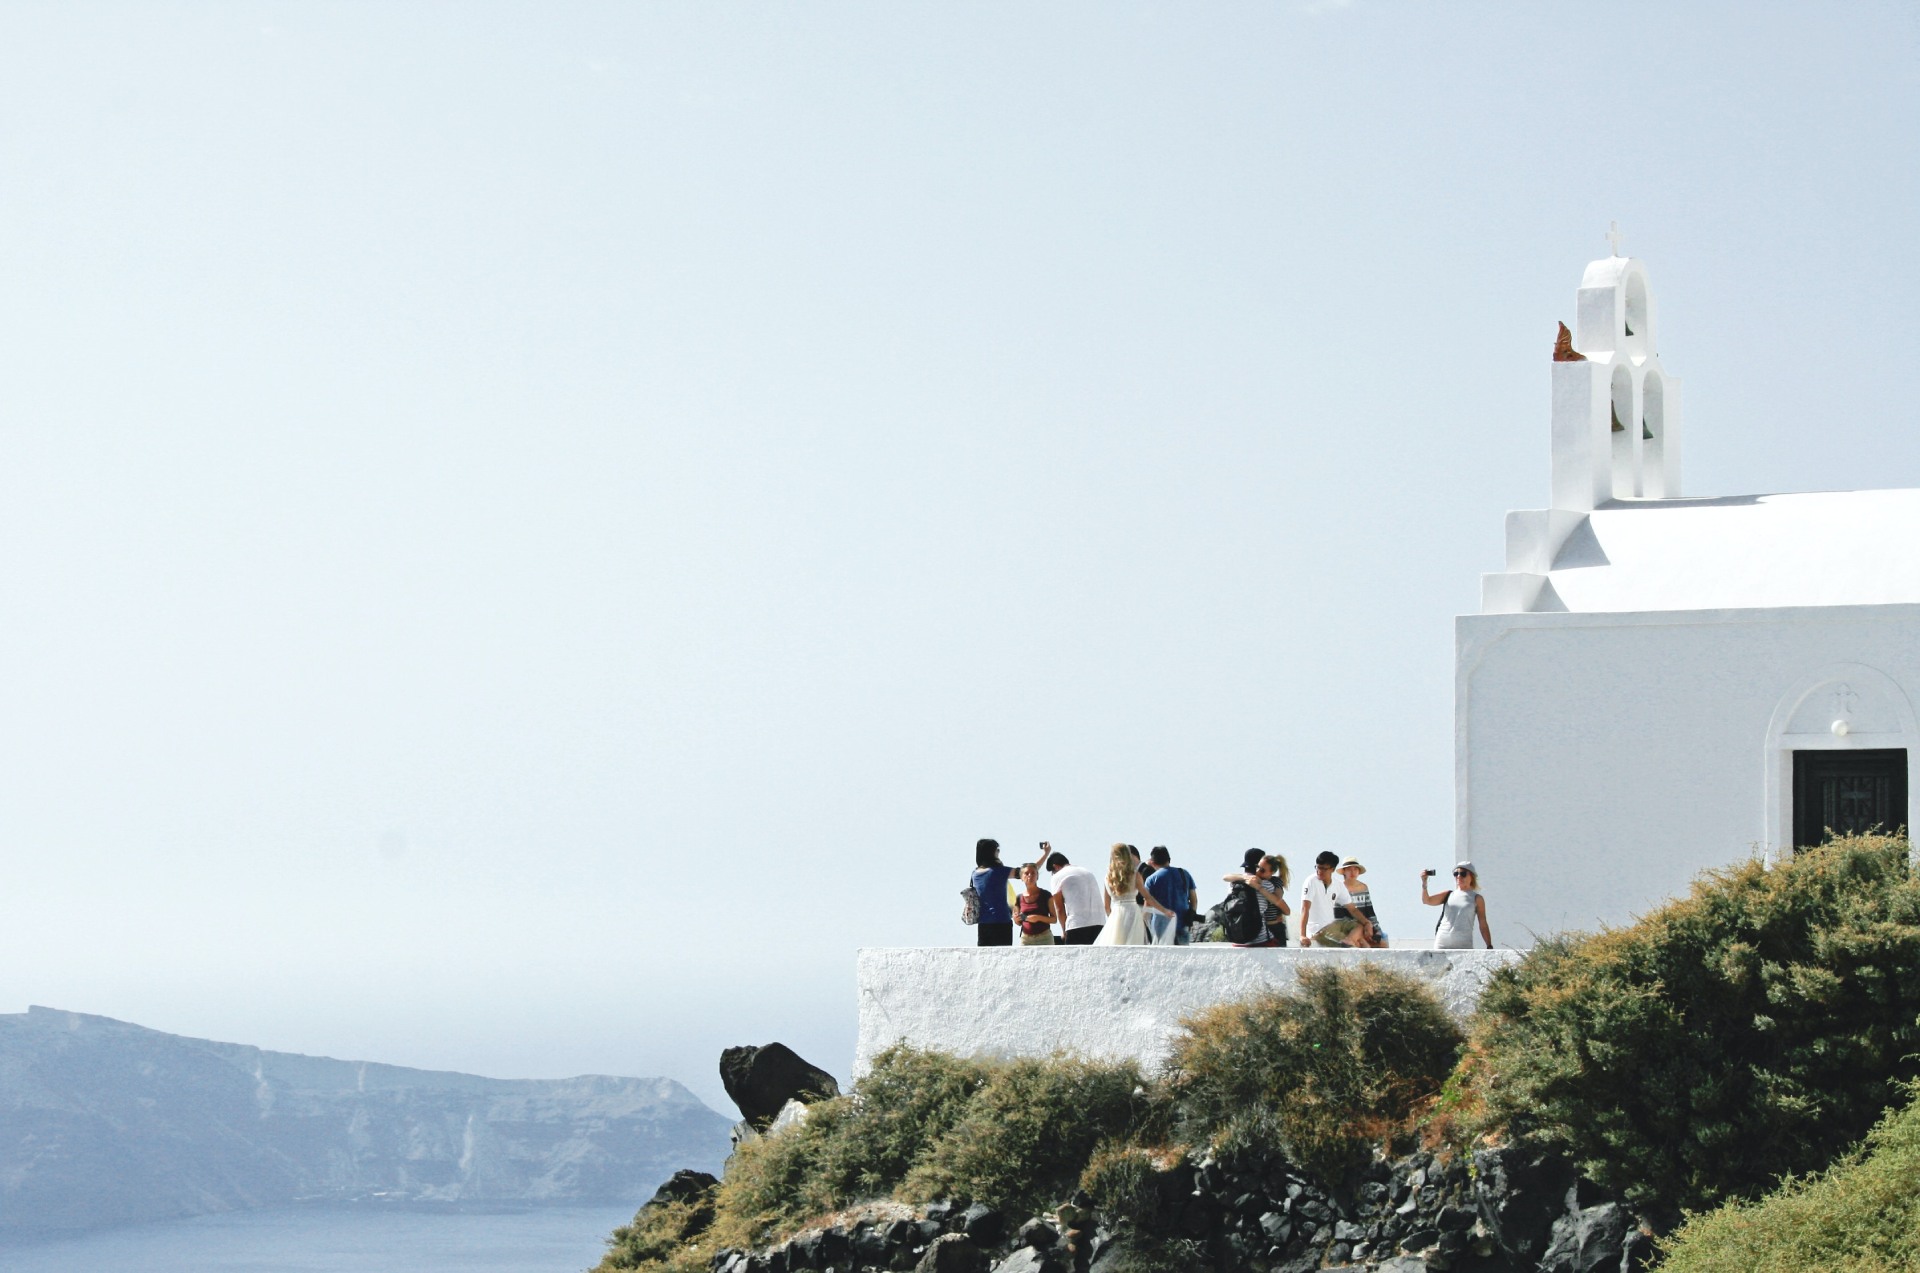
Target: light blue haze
[528, 533]
[337, 1240]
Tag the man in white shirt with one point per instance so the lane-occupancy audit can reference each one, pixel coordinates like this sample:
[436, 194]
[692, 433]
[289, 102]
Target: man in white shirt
[1078, 905]
[1322, 898]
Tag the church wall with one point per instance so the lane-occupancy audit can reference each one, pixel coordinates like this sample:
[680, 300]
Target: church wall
[1108, 1002]
[1603, 760]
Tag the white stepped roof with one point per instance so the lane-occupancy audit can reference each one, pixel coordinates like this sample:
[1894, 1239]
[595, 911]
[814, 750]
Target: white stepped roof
[1831, 548]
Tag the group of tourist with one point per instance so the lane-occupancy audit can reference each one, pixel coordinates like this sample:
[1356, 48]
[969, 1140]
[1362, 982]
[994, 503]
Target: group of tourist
[1140, 901]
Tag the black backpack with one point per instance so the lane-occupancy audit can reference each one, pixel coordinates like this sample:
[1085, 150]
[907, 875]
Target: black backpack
[1240, 918]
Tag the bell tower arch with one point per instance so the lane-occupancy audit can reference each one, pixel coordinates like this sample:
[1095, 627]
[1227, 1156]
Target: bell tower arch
[1616, 410]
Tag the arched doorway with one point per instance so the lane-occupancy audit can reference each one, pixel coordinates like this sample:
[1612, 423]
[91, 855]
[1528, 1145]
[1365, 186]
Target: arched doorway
[1841, 754]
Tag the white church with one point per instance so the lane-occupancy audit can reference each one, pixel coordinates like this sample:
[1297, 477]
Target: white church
[1655, 685]
[1658, 684]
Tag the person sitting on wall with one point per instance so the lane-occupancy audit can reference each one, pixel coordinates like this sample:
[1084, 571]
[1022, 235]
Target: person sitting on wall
[1077, 904]
[1174, 889]
[1320, 900]
[1359, 905]
[989, 881]
[1461, 905]
[1266, 875]
[1035, 908]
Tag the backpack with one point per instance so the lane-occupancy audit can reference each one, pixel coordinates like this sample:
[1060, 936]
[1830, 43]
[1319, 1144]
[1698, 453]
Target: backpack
[1240, 918]
[969, 905]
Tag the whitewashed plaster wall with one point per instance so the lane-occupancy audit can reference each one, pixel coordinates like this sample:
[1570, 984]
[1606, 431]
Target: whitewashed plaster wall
[1603, 760]
[1107, 1002]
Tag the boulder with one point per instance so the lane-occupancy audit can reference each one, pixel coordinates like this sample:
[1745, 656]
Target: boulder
[984, 1224]
[792, 1114]
[1038, 1233]
[1519, 1194]
[762, 1080]
[952, 1253]
[1593, 1240]
[683, 1186]
[1028, 1259]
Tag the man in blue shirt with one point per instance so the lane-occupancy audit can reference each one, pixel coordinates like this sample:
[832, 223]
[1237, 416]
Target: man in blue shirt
[1173, 888]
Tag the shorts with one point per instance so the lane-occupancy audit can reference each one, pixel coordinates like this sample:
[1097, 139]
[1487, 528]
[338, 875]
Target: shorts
[1336, 933]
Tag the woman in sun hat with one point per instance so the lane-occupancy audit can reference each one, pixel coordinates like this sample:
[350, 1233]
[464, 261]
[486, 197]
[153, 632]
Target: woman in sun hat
[1459, 907]
[1359, 904]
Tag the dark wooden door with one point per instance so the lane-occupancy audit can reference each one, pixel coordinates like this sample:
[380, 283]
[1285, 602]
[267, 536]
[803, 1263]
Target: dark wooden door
[1847, 793]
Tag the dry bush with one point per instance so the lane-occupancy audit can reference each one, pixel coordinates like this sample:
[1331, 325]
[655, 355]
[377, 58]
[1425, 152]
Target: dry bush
[1326, 1072]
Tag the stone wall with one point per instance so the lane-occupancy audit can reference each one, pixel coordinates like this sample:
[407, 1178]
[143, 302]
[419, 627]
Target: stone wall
[1099, 1001]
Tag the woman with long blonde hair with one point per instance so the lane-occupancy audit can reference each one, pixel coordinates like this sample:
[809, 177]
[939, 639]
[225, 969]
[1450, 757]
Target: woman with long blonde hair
[1266, 874]
[1126, 919]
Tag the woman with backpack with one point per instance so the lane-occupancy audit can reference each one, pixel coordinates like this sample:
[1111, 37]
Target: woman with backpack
[1265, 876]
[1459, 907]
[988, 886]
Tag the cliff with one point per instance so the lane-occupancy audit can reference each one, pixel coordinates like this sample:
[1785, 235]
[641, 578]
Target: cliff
[102, 1122]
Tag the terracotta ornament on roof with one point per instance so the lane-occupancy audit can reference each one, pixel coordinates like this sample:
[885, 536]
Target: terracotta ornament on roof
[1563, 347]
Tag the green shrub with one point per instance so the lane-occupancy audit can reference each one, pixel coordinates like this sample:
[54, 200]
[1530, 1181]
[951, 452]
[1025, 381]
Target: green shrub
[850, 1149]
[1027, 1133]
[1132, 1181]
[774, 1185]
[1758, 1027]
[1326, 1072]
[908, 1100]
[658, 1238]
[924, 1125]
[1861, 1216]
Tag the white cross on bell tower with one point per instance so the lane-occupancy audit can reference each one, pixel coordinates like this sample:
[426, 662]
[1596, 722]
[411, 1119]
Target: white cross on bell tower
[1616, 412]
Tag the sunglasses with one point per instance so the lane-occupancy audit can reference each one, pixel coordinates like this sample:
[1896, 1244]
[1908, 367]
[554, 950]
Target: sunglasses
[1458, 874]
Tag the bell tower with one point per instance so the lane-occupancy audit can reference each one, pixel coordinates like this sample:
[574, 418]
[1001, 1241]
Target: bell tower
[1616, 412]
[1616, 426]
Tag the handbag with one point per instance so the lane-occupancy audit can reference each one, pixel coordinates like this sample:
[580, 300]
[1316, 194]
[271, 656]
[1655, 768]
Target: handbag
[969, 905]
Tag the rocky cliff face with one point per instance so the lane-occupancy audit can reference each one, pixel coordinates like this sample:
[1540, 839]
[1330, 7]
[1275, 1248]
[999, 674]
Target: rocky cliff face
[102, 1122]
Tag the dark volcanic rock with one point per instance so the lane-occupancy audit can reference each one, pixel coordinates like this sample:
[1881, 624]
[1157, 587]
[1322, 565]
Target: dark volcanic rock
[762, 1080]
[1519, 1194]
[952, 1253]
[1588, 1241]
[685, 1185]
[1029, 1259]
[983, 1224]
[102, 1122]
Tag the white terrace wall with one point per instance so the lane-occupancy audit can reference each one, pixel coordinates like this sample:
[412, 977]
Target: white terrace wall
[1107, 1002]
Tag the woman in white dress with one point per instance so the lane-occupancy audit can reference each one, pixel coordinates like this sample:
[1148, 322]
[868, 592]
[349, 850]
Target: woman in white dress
[1126, 920]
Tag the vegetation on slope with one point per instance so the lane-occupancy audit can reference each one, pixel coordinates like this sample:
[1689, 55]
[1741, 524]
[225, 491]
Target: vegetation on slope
[1756, 1028]
[1861, 1216]
[1329, 1071]
[1326, 1072]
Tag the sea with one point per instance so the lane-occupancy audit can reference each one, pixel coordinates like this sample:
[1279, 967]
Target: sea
[335, 1239]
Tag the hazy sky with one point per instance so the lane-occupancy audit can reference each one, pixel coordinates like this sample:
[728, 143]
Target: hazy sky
[528, 533]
